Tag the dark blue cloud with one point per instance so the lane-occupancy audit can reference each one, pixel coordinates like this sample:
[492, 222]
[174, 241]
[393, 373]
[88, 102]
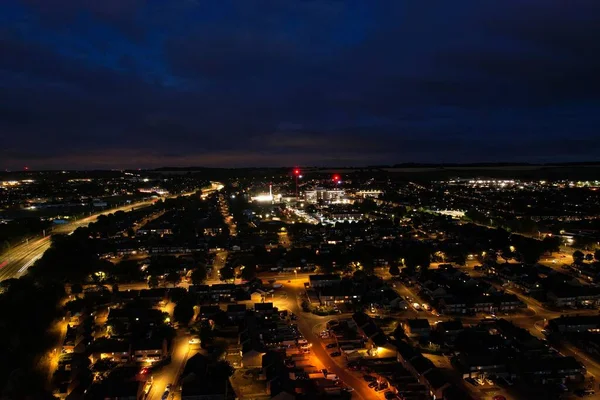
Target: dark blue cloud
[133, 83]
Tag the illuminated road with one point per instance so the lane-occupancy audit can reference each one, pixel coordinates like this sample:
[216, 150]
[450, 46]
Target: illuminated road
[22, 256]
[307, 323]
[170, 374]
[16, 261]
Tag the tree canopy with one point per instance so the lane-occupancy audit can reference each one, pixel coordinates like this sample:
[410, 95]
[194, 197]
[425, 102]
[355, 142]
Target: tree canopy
[199, 275]
[184, 310]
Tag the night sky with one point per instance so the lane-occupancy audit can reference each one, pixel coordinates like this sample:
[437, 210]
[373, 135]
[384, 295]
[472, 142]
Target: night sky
[136, 84]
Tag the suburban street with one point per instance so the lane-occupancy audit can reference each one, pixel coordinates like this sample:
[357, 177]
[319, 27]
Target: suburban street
[170, 373]
[309, 325]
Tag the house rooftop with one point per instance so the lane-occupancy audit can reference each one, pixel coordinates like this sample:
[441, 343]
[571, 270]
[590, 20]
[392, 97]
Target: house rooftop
[222, 286]
[201, 386]
[418, 323]
[435, 378]
[325, 277]
[236, 307]
[422, 364]
[105, 345]
[153, 343]
[577, 320]
[209, 309]
[453, 325]
[199, 288]
[405, 350]
[114, 389]
[263, 306]
[454, 393]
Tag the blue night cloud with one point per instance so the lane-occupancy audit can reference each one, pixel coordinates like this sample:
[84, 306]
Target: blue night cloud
[133, 83]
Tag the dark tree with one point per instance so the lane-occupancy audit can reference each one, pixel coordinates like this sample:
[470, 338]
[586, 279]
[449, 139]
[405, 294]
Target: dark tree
[531, 252]
[76, 288]
[221, 370]
[589, 257]
[184, 311]
[597, 255]
[417, 255]
[248, 273]
[199, 275]
[127, 271]
[173, 278]
[368, 267]
[551, 244]
[367, 206]
[153, 282]
[206, 336]
[490, 258]
[163, 265]
[305, 306]
[227, 273]
[578, 257]
[394, 270]
[359, 275]
[507, 254]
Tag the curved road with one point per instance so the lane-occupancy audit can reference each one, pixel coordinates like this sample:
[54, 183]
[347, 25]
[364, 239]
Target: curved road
[20, 257]
[14, 263]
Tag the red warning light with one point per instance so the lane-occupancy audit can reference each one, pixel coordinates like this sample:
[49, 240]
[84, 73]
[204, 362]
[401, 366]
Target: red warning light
[296, 171]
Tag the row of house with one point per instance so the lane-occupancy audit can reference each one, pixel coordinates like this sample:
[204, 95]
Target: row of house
[450, 291]
[558, 289]
[500, 348]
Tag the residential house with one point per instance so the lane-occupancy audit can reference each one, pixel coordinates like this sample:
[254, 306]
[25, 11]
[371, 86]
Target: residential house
[207, 312]
[332, 295]
[476, 364]
[419, 366]
[150, 349]
[113, 389]
[222, 291]
[319, 281]
[236, 312]
[202, 291]
[452, 305]
[264, 310]
[570, 295]
[507, 302]
[577, 323]
[70, 339]
[417, 328]
[555, 369]
[435, 382]
[118, 351]
[449, 330]
[154, 296]
[252, 358]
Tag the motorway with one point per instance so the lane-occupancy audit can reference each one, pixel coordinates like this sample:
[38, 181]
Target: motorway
[22, 256]
[14, 262]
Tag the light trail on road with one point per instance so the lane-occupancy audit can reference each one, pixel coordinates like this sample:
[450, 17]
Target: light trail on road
[17, 260]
